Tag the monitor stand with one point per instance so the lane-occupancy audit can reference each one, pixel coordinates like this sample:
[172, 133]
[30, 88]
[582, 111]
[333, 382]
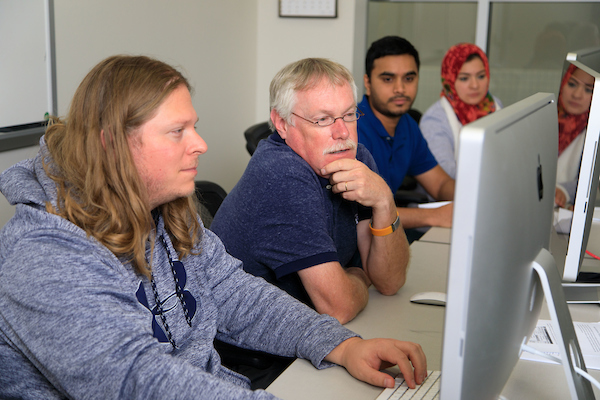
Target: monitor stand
[586, 290]
[581, 292]
[570, 352]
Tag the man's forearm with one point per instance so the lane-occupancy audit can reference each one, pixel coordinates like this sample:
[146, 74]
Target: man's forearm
[388, 261]
[341, 295]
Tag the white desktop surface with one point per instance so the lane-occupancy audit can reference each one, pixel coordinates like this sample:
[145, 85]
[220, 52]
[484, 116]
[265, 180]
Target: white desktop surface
[396, 317]
[594, 238]
[444, 235]
[437, 234]
[589, 264]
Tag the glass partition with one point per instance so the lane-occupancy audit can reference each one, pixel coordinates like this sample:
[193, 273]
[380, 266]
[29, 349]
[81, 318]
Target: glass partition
[432, 27]
[526, 44]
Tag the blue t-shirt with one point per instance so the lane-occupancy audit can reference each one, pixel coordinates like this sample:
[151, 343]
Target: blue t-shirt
[281, 217]
[406, 153]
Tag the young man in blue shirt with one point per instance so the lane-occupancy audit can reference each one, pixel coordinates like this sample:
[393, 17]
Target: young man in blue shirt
[393, 137]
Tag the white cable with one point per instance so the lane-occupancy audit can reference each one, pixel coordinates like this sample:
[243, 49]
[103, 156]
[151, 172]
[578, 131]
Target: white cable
[557, 360]
[532, 350]
[587, 376]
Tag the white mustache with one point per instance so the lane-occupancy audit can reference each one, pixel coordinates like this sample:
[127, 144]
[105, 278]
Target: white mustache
[348, 144]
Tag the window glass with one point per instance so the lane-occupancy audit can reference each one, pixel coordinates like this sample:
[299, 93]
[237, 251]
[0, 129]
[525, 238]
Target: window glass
[526, 46]
[528, 43]
[432, 27]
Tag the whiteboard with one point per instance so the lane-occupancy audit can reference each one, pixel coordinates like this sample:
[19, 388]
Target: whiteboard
[26, 62]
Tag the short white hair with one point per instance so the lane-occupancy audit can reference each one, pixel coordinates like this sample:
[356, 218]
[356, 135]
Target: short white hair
[302, 75]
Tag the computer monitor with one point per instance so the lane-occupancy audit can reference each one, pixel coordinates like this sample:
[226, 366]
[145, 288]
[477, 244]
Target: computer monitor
[587, 60]
[500, 267]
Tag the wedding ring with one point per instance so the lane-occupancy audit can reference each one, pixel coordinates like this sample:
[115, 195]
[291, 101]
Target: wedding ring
[346, 183]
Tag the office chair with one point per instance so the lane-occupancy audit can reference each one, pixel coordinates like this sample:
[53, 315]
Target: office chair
[260, 367]
[210, 196]
[407, 193]
[255, 134]
[416, 114]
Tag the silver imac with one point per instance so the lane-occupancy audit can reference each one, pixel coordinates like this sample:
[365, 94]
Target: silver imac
[587, 60]
[500, 266]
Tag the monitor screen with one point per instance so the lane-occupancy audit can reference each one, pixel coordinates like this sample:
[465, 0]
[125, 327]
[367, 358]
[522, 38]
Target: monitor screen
[503, 213]
[584, 160]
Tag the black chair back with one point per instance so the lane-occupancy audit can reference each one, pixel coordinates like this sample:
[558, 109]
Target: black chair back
[210, 196]
[255, 134]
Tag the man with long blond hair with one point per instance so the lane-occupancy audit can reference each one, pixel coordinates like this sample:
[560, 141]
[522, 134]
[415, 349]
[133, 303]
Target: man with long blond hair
[110, 287]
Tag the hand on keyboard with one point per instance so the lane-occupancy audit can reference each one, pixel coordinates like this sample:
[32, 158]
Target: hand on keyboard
[428, 390]
[364, 359]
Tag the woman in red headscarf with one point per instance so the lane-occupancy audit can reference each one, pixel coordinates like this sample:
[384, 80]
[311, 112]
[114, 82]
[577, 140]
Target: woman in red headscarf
[464, 98]
[573, 105]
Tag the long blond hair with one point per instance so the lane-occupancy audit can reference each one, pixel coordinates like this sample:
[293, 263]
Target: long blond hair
[99, 188]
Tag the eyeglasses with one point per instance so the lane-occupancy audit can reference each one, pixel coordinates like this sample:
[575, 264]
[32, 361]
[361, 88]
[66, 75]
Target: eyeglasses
[326, 121]
[187, 300]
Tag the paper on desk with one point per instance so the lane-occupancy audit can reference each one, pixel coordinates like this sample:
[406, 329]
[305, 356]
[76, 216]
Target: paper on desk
[596, 216]
[434, 204]
[543, 339]
[562, 220]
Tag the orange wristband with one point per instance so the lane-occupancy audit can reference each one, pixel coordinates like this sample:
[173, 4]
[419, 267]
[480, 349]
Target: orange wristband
[386, 231]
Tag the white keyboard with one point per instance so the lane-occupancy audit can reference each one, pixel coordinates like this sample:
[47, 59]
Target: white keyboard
[429, 390]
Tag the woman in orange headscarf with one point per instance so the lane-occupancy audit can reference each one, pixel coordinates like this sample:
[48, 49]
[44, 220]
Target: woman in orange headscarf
[573, 105]
[465, 98]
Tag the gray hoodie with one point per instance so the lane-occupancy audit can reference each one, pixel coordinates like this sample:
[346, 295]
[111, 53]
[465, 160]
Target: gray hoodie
[77, 322]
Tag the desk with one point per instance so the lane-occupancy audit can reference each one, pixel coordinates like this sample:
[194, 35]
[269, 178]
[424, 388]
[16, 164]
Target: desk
[594, 238]
[436, 234]
[394, 316]
[443, 235]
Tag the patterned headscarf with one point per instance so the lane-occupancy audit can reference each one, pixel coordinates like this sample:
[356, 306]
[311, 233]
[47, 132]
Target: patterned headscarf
[569, 126]
[451, 64]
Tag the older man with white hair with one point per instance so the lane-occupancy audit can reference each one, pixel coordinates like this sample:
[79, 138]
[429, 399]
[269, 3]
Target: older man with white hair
[310, 214]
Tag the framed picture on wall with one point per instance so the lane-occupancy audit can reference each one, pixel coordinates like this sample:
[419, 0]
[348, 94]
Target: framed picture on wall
[308, 8]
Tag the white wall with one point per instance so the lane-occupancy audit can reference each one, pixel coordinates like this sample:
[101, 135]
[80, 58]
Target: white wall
[230, 50]
[214, 42]
[281, 41]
